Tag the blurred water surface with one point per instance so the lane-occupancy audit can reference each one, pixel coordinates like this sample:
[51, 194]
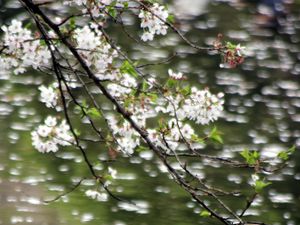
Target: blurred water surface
[262, 112]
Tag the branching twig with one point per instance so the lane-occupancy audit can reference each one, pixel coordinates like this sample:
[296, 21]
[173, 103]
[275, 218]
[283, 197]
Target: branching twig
[65, 193]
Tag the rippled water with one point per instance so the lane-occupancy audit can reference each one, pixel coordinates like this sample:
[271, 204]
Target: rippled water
[262, 112]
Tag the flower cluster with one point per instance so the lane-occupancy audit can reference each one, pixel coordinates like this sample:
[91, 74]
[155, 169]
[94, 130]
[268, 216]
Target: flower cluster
[176, 132]
[234, 54]
[47, 137]
[141, 111]
[22, 49]
[97, 53]
[202, 106]
[127, 138]
[94, 7]
[49, 96]
[152, 21]
[126, 84]
[175, 76]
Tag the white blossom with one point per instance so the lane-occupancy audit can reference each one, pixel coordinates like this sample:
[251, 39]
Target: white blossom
[112, 172]
[240, 50]
[22, 49]
[127, 137]
[48, 96]
[48, 136]
[171, 105]
[202, 106]
[253, 180]
[126, 84]
[152, 21]
[97, 53]
[176, 76]
[147, 36]
[93, 6]
[177, 132]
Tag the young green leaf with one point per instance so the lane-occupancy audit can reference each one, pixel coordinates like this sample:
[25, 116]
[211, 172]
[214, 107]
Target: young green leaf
[171, 18]
[205, 213]
[250, 157]
[94, 113]
[260, 185]
[284, 155]
[186, 90]
[171, 83]
[77, 132]
[72, 23]
[112, 11]
[128, 68]
[215, 135]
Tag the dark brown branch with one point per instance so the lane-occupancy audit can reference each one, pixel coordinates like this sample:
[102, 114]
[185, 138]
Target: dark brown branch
[249, 203]
[35, 10]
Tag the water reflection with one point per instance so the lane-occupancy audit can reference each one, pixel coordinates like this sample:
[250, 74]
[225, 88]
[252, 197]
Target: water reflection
[183, 9]
[262, 112]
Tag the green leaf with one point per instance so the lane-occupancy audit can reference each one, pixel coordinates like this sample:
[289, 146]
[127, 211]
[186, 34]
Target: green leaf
[43, 42]
[215, 135]
[197, 139]
[260, 185]
[77, 132]
[145, 86]
[128, 68]
[112, 11]
[84, 104]
[153, 97]
[108, 177]
[284, 155]
[205, 213]
[127, 102]
[72, 23]
[171, 18]
[230, 45]
[186, 90]
[142, 149]
[28, 25]
[125, 4]
[161, 124]
[171, 83]
[93, 112]
[250, 157]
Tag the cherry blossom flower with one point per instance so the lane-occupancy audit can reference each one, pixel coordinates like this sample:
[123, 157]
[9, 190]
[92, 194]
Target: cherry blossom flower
[202, 106]
[152, 21]
[48, 136]
[22, 49]
[48, 96]
[96, 51]
[112, 172]
[234, 54]
[175, 76]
